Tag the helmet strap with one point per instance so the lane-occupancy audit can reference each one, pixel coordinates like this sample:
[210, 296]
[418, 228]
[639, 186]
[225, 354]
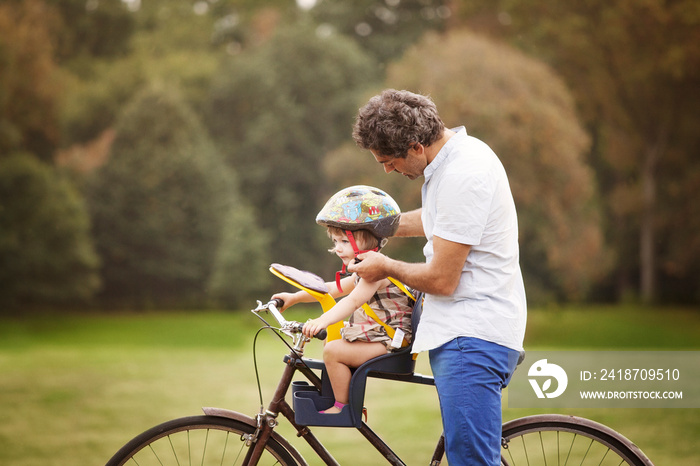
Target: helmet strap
[351, 238]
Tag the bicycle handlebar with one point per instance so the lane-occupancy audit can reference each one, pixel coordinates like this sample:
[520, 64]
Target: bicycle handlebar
[277, 302]
[298, 327]
[286, 325]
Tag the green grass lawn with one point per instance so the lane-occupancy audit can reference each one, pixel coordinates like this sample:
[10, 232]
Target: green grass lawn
[74, 388]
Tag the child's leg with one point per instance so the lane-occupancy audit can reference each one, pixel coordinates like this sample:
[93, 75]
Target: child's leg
[339, 356]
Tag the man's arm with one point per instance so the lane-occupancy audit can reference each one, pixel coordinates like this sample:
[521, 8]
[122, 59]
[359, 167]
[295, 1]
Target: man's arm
[439, 277]
[410, 224]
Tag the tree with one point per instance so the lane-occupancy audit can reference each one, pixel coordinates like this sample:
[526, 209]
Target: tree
[28, 89]
[159, 204]
[47, 53]
[92, 29]
[521, 109]
[47, 257]
[275, 111]
[384, 28]
[240, 270]
[633, 67]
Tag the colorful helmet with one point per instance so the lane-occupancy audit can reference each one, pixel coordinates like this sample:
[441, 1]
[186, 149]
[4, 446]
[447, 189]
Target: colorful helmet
[361, 208]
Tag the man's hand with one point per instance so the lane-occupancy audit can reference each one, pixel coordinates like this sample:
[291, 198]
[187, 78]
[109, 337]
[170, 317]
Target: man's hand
[372, 268]
[439, 277]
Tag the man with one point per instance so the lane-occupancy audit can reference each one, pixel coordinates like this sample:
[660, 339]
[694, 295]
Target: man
[474, 313]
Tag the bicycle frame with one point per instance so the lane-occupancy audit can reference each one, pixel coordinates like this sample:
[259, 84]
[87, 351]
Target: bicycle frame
[268, 420]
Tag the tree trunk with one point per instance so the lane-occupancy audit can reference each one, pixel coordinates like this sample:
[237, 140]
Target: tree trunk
[647, 234]
[647, 257]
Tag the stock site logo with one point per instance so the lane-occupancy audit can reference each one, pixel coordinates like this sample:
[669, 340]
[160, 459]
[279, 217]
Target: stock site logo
[543, 370]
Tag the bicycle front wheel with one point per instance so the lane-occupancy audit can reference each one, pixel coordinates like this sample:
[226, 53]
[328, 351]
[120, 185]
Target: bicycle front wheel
[201, 440]
[566, 440]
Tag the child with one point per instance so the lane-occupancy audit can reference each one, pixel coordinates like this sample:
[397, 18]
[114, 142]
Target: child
[357, 217]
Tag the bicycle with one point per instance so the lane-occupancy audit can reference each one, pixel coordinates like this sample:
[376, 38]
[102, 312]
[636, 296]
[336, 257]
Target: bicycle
[222, 436]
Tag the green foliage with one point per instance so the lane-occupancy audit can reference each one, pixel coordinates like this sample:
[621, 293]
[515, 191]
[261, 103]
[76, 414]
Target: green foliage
[90, 104]
[383, 28]
[275, 111]
[92, 28]
[240, 274]
[159, 204]
[633, 68]
[28, 88]
[168, 44]
[526, 114]
[291, 82]
[46, 254]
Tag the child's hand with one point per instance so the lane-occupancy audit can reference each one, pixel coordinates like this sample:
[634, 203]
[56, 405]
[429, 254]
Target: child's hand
[312, 327]
[287, 298]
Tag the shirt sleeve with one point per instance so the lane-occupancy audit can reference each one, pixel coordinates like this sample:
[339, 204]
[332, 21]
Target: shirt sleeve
[463, 204]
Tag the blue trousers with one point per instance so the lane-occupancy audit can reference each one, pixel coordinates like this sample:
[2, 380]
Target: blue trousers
[469, 375]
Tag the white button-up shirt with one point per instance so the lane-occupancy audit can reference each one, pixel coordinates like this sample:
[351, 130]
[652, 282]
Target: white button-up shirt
[467, 199]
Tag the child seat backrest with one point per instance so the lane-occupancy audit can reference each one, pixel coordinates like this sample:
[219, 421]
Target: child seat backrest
[390, 365]
[416, 313]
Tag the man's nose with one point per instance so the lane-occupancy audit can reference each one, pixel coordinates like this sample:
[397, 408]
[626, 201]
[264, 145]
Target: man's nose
[388, 168]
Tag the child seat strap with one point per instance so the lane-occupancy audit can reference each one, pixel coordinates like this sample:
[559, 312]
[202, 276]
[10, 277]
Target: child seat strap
[373, 315]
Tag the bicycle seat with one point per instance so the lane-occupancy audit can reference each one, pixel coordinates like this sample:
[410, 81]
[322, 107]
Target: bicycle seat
[398, 365]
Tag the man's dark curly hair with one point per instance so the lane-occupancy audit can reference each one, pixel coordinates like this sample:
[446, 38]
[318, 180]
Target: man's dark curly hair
[393, 121]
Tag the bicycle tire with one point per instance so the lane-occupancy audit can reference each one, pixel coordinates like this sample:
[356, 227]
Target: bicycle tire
[202, 440]
[555, 439]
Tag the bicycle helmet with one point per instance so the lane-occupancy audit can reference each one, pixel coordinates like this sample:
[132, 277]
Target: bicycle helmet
[361, 208]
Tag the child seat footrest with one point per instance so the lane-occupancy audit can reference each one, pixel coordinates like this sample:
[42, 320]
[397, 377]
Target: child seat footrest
[308, 403]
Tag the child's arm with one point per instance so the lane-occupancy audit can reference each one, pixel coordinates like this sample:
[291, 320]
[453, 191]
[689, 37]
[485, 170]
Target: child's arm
[361, 294]
[290, 299]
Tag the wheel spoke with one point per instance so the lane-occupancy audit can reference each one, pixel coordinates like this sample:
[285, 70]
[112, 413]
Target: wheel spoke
[204, 450]
[512, 460]
[527, 458]
[172, 448]
[544, 455]
[570, 448]
[155, 455]
[586, 454]
[558, 451]
[223, 453]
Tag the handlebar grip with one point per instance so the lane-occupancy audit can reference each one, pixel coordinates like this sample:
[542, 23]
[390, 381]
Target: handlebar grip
[321, 334]
[278, 302]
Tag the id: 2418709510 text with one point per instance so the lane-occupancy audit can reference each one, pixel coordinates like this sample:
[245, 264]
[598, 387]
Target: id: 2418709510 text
[632, 374]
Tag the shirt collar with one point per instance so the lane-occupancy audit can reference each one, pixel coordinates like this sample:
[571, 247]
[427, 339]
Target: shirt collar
[444, 152]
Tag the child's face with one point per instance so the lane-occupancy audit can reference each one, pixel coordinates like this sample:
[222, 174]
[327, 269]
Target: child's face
[343, 248]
